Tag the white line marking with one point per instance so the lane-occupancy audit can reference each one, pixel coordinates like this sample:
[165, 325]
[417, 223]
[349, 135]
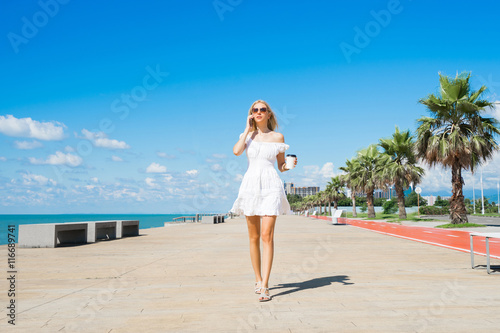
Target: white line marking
[452, 236]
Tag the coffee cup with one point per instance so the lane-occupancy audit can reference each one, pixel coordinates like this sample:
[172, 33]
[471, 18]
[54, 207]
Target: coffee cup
[290, 161]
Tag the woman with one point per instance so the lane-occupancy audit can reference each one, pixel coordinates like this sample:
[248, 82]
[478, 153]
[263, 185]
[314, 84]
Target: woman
[261, 194]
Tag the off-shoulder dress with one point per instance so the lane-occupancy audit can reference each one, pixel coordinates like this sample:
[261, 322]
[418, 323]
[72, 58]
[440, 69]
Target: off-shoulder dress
[261, 191]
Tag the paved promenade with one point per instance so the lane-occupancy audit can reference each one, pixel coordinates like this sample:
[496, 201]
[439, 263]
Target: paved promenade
[198, 278]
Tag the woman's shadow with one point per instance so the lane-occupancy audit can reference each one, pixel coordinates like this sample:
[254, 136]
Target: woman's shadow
[311, 284]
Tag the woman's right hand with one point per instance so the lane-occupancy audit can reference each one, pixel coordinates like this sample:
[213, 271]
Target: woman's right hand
[249, 123]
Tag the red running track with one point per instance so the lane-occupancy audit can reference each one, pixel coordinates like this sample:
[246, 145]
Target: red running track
[452, 239]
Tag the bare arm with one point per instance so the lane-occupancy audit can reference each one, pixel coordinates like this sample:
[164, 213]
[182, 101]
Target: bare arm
[240, 146]
[281, 162]
[280, 158]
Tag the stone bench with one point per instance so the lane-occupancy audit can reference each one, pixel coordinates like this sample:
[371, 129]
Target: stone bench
[335, 216]
[487, 236]
[98, 230]
[52, 234]
[212, 219]
[127, 228]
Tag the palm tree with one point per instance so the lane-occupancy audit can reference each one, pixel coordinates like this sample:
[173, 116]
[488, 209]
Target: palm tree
[324, 199]
[349, 180]
[335, 191]
[368, 173]
[401, 169]
[308, 202]
[457, 136]
[319, 201]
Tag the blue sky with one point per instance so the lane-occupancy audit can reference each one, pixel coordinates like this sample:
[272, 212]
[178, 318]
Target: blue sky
[133, 107]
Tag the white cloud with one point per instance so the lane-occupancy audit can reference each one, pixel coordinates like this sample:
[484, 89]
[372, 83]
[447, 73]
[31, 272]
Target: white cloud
[495, 111]
[100, 139]
[29, 128]
[327, 170]
[116, 158]
[219, 155]
[165, 155]
[439, 179]
[59, 158]
[216, 167]
[167, 177]
[2, 158]
[25, 145]
[315, 175]
[156, 168]
[69, 149]
[192, 172]
[94, 179]
[435, 179]
[32, 179]
[150, 182]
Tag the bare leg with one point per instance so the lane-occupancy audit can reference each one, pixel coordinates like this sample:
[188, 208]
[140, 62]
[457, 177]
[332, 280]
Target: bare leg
[268, 223]
[253, 223]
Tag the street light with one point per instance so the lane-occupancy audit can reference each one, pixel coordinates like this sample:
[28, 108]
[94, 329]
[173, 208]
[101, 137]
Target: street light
[473, 193]
[482, 196]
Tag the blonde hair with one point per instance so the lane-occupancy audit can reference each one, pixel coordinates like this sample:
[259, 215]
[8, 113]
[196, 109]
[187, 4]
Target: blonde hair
[272, 123]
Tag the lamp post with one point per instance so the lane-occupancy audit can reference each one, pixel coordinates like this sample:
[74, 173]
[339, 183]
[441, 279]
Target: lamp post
[473, 194]
[498, 198]
[418, 190]
[482, 196]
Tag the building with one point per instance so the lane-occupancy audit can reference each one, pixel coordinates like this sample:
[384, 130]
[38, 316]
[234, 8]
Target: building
[430, 200]
[388, 194]
[302, 191]
[380, 193]
[289, 189]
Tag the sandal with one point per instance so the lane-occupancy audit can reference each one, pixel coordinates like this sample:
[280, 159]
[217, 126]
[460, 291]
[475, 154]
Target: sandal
[258, 287]
[264, 295]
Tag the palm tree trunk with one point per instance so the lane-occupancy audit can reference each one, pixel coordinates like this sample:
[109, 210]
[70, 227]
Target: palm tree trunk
[335, 205]
[401, 201]
[369, 202]
[458, 213]
[353, 198]
[330, 207]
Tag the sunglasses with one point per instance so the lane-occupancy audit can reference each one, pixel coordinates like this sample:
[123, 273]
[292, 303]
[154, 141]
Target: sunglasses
[255, 110]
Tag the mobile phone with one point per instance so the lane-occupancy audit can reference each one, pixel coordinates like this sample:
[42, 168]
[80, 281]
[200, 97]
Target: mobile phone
[251, 122]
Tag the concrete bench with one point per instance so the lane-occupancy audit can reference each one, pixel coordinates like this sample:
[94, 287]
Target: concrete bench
[338, 213]
[101, 230]
[97, 230]
[52, 234]
[127, 228]
[212, 219]
[487, 236]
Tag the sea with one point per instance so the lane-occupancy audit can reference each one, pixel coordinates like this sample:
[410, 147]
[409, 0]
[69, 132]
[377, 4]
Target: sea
[145, 220]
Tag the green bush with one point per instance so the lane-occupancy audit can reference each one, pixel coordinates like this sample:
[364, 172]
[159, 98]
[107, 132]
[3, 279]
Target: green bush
[413, 199]
[390, 207]
[433, 210]
[379, 202]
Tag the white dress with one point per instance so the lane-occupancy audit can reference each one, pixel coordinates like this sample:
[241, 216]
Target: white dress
[261, 192]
